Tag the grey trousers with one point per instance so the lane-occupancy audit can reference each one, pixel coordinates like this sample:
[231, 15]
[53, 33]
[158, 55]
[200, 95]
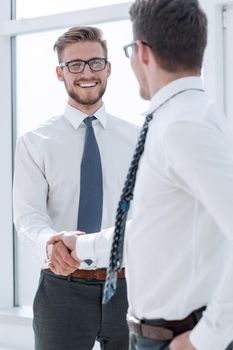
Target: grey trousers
[69, 315]
[141, 343]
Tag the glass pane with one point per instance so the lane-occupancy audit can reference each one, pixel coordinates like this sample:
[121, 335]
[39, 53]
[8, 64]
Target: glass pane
[41, 96]
[28, 8]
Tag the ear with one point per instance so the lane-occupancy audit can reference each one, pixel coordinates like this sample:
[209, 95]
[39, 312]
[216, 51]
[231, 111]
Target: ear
[109, 69]
[144, 52]
[59, 73]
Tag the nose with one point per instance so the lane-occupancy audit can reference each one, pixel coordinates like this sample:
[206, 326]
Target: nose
[87, 70]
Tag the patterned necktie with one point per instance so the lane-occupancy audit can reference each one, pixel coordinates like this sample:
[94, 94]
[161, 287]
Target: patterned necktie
[116, 255]
[91, 184]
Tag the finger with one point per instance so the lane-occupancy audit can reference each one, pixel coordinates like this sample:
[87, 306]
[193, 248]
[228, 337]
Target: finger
[55, 238]
[80, 233]
[60, 268]
[56, 264]
[61, 255]
[67, 258]
[70, 241]
[74, 256]
[61, 271]
[56, 257]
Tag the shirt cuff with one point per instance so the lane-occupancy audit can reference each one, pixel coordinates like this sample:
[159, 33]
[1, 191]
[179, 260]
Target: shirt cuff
[203, 337]
[85, 246]
[43, 238]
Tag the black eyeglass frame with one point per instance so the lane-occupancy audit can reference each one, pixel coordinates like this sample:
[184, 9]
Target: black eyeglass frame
[134, 43]
[67, 64]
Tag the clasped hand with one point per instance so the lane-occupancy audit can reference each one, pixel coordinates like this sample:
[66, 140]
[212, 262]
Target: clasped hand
[63, 259]
[182, 342]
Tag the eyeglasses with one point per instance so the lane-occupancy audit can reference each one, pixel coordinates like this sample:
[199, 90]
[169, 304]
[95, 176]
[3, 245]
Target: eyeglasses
[78, 66]
[128, 49]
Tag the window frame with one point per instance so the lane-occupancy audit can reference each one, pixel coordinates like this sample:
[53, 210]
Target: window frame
[6, 137]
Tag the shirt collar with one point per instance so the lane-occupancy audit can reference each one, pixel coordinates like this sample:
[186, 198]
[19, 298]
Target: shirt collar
[76, 117]
[171, 89]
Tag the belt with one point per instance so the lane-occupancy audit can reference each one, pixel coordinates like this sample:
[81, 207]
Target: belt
[161, 329]
[151, 332]
[98, 274]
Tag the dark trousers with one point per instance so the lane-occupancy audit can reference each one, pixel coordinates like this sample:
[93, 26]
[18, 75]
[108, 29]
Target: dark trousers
[69, 315]
[140, 343]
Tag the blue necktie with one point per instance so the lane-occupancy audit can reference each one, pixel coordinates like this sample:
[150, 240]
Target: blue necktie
[91, 184]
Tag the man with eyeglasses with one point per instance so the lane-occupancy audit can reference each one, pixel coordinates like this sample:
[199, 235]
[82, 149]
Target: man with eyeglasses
[179, 246]
[68, 177]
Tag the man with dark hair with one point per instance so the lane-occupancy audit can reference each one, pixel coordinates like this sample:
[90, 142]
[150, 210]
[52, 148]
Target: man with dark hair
[179, 246]
[68, 176]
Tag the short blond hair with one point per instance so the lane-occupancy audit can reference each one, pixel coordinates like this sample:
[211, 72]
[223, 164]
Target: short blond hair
[80, 34]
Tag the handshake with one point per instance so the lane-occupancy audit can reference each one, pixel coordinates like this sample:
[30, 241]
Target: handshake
[62, 253]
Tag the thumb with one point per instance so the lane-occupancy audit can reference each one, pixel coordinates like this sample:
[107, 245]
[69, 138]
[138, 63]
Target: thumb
[54, 239]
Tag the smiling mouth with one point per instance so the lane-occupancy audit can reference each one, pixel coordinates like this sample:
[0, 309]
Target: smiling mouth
[87, 85]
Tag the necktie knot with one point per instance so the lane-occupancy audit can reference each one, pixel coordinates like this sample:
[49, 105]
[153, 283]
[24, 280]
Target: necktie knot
[88, 121]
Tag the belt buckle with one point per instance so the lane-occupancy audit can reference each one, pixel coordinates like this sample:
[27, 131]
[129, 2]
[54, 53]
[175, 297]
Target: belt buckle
[91, 274]
[136, 324]
[96, 274]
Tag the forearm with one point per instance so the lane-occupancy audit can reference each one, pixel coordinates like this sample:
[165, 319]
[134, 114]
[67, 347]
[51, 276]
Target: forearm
[215, 329]
[30, 192]
[38, 233]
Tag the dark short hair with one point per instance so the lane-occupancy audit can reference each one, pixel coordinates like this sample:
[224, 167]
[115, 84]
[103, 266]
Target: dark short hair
[80, 34]
[176, 30]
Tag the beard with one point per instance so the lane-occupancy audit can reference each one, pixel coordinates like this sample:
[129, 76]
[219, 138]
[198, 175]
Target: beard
[86, 100]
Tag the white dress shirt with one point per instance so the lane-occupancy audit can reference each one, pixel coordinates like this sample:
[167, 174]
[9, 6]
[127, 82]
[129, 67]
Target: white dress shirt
[179, 245]
[47, 175]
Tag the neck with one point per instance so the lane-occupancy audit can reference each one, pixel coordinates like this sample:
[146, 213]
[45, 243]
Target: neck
[86, 109]
[163, 78]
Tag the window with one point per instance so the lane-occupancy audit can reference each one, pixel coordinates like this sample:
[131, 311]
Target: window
[27, 8]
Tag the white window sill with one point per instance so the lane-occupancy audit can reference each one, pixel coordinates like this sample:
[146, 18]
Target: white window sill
[20, 315]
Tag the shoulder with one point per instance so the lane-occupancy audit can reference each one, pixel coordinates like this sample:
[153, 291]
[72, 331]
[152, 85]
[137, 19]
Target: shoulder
[43, 130]
[121, 125]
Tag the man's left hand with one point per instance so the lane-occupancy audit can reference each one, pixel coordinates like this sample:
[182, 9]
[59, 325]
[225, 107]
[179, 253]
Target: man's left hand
[182, 342]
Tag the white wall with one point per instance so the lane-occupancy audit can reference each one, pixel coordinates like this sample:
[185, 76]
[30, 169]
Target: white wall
[213, 64]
